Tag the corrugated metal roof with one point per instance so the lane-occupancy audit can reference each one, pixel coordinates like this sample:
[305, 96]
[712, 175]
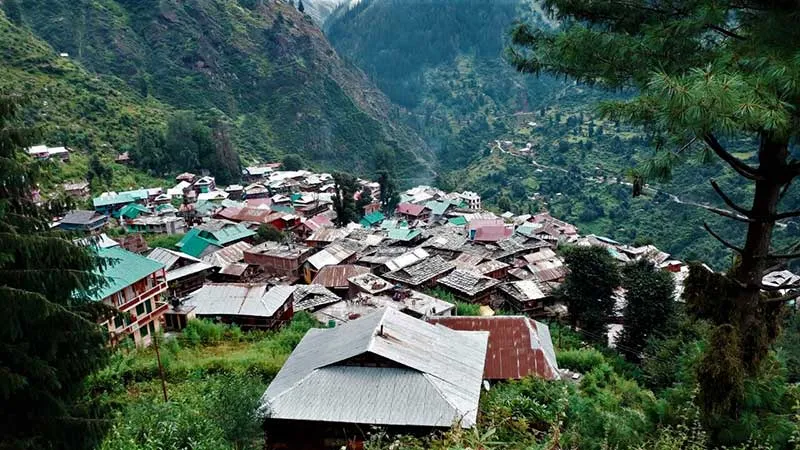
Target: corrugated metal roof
[169, 257]
[439, 383]
[228, 255]
[234, 269]
[524, 290]
[467, 282]
[232, 299]
[422, 271]
[185, 271]
[335, 277]
[518, 346]
[407, 259]
[312, 297]
[333, 254]
[124, 269]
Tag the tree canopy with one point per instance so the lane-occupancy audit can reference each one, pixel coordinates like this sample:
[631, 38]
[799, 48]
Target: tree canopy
[589, 290]
[49, 337]
[703, 76]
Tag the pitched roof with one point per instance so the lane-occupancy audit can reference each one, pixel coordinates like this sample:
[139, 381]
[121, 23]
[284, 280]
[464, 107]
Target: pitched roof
[467, 282]
[410, 209]
[110, 200]
[123, 269]
[313, 296]
[518, 346]
[403, 234]
[524, 290]
[238, 299]
[334, 254]
[170, 259]
[438, 208]
[436, 383]
[227, 255]
[335, 277]
[421, 272]
[458, 221]
[373, 218]
[82, 217]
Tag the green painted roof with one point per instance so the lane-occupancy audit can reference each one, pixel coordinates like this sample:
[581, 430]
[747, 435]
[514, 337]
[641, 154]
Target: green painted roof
[393, 224]
[138, 194]
[438, 208]
[283, 209]
[374, 217]
[526, 229]
[403, 234]
[296, 196]
[459, 221]
[123, 269]
[228, 234]
[132, 211]
[110, 200]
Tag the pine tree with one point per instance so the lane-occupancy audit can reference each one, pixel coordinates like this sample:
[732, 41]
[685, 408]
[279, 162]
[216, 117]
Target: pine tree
[649, 305]
[49, 338]
[344, 203]
[589, 290]
[707, 73]
[388, 191]
[300, 6]
[225, 161]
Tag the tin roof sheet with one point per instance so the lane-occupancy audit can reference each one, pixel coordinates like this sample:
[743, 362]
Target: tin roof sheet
[238, 299]
[518, 346]
[439, 383]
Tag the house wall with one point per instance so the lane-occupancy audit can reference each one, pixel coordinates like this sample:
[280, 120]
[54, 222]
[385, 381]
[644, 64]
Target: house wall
[274, 264]
[144, 302]
[310, 435]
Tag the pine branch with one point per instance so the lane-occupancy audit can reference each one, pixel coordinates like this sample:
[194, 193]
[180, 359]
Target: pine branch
[728, 201]
[721, 240]
[736, 164]
[725, 32]
[787, 215]
[730, 215]
[785, 189]
[785, 256]
[784, 298]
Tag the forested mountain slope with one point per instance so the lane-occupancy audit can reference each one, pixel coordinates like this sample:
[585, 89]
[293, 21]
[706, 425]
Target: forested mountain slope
[444, 61]
[264, 65]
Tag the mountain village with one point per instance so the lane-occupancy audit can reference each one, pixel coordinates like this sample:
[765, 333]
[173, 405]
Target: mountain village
[392, 350]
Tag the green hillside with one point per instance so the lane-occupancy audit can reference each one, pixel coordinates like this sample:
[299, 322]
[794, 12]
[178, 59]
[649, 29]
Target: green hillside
[444, 61]
[70, 106]
[267, 70]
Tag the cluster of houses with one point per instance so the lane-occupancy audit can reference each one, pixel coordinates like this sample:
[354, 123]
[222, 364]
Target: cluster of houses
[393, 351]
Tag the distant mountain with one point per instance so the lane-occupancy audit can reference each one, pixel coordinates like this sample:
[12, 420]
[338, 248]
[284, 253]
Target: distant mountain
[264, 65]
[319, 10]
[443, 60]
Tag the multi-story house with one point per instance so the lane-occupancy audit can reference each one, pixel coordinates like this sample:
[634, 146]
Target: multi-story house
[136, 286]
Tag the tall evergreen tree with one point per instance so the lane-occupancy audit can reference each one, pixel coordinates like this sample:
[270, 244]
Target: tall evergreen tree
[388, 191]
[707, 73]
[589, 290]
[225, 165]
[649, 304]
[300, 6]
[344, 202]
[49, 338]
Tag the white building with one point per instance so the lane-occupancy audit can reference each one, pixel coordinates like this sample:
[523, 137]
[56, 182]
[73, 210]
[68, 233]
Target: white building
[472, 198]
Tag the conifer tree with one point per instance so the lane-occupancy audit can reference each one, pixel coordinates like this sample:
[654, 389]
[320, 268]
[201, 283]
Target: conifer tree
[49, 337]
[589, 290]
[388, 191]
[706, 73]
[344, 202]
[300, 6]
[649, 304]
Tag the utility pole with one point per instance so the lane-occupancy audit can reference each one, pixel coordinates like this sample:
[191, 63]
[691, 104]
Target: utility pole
[160, 367]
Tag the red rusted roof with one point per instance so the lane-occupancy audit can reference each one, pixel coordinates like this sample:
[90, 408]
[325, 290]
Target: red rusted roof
[518, 346]
[410, 209]
[335, 277]
[492, 233]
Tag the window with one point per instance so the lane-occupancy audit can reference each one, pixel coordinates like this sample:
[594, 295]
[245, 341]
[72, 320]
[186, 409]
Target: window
[120, 298]
[143, 331]
[118, 322]
[153, 326]
[148, 305]
[140, 309]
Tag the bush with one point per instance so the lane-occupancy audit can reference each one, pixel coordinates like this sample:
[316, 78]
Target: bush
[582, 360]
[203, 332]
[467, 309]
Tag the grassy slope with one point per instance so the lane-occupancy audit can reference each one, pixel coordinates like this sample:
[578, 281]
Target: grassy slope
[70, 106]
[270, 70]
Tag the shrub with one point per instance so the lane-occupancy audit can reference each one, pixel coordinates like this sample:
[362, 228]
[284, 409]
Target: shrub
[582, 360]
[203, 332]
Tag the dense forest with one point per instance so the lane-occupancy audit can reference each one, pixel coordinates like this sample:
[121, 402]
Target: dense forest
[445, 62]
[263, 68]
